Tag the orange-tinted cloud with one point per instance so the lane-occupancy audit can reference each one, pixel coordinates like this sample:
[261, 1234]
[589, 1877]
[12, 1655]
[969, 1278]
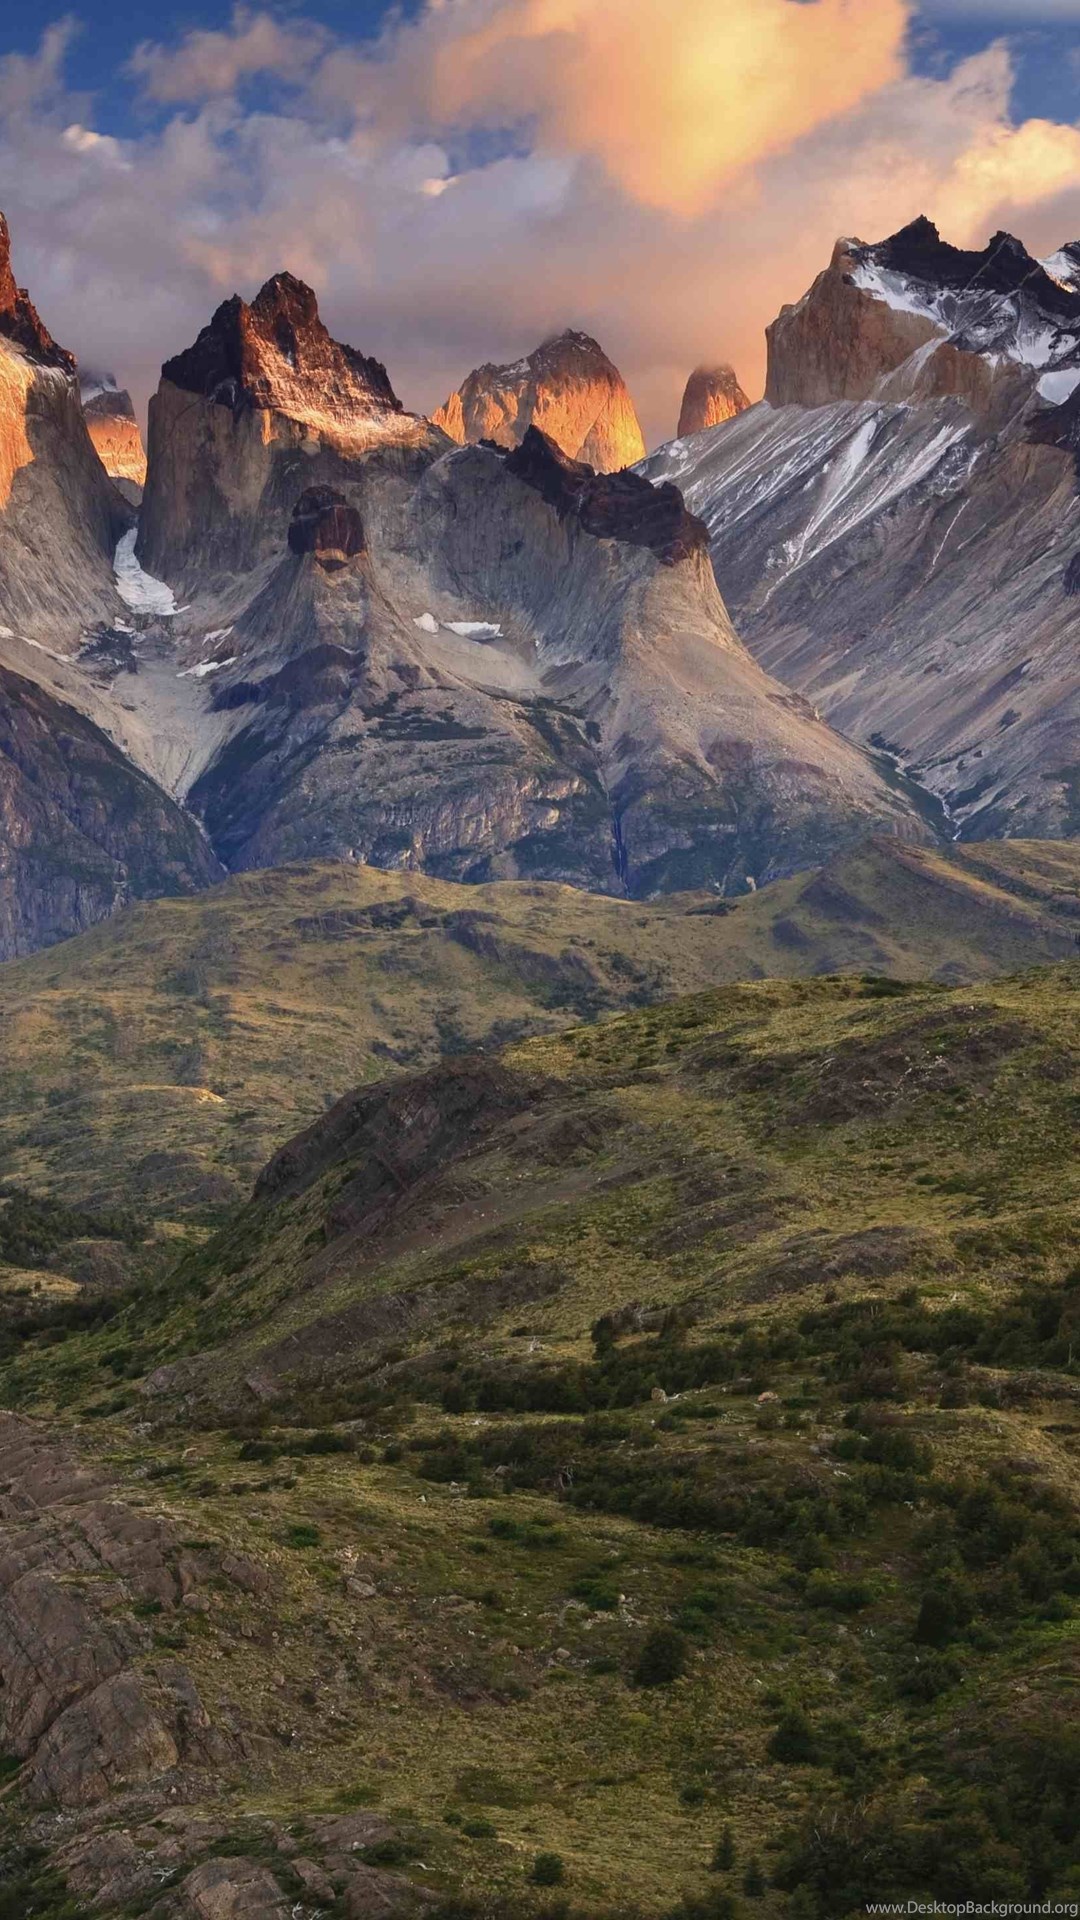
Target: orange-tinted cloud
[674, 97]
[673, 235]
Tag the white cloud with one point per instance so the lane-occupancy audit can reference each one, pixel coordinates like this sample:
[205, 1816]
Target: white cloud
[365, 180]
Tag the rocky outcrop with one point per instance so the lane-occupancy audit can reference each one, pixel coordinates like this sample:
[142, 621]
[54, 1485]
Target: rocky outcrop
[568, 388]
[838, 341]
[84, 1705]
[325, 525]
[60, 517]
[895, 532]
[519, 667]
[971, 323]
[20, 321]
[116, 1748]
[262, 407]
[276, 356]
[82, 831]
[114, 430]
[619, 506]
[712, 396]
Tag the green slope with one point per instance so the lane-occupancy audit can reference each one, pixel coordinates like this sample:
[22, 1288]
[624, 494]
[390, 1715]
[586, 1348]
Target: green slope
[156, 1061]
[659, 1431]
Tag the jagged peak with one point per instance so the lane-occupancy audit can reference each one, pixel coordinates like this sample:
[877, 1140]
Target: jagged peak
[272, 352]
[1014, 324]
[568, 385]
[19, 318]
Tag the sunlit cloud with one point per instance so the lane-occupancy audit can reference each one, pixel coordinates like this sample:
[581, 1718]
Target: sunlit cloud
[451, 205]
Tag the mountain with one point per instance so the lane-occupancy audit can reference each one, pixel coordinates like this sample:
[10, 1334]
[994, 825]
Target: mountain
[894, 527]
[478, 663]
[568, 388]
[335, 634]
[114, 430]
[712, 396]
[60, 517]
[82, 830]
[522, 1470]
[156, 1061]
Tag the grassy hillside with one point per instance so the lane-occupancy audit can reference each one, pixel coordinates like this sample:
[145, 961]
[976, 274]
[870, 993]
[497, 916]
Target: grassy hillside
[657, 1448]
[155, 1062]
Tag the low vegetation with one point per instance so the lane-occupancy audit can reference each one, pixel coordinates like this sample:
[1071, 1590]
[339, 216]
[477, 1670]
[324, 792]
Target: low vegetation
[662, 1455]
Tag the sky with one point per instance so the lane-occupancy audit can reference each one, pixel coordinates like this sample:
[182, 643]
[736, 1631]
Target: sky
[460, 178]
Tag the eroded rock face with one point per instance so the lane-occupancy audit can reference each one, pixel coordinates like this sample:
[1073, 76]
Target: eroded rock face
[568, 388]
[325, 525]
[896, 532]
[619, 506]
[20, 321]
[838, 340]
[60, 518]
[978, 321]
[82, 1705]
[276, 356]
[114, 430]
[527, 671]
[82, 831]
[712, 396]
[263, 406]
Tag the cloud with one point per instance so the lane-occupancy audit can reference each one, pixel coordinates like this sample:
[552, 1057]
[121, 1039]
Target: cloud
[674, 107]
[438, 235]
[208, 64]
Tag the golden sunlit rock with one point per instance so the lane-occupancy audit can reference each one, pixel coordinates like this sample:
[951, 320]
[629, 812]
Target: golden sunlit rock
[568, 388]
[712, 396]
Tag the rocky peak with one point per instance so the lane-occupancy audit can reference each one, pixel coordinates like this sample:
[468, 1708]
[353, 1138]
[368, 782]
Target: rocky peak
[1004, 319]
[610, 506]
[567, 387]
[19, 318]
[712, 396]
[276, 355]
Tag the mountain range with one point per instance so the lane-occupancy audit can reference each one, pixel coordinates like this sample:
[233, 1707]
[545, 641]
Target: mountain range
[894, 526]
[336, 633]
[538, 1202]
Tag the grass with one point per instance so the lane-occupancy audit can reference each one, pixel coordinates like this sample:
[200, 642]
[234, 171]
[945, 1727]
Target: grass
[155, 1062]
[687, 1454]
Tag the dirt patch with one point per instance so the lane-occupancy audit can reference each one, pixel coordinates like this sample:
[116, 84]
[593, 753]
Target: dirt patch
[739, 1203]
[359, 1333]
[819, 1258]
[570, 1137]
[957, 1049]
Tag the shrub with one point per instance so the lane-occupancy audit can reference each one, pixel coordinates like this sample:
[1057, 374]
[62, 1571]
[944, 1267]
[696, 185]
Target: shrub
[302, 1534]
[723, 1858]
[662, 1658]
[794, 1741]
[753, 1880]
[548, 1870]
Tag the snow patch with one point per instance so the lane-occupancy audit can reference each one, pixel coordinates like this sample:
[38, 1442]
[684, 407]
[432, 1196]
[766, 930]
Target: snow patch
[1057, 387]
[200, 671]
[139, 590]
[427, 623]
[1064, 267]
[474, 629]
